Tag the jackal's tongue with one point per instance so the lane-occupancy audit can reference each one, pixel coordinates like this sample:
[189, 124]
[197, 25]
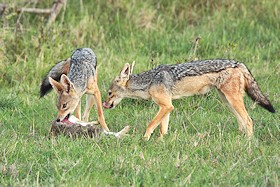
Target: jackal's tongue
[66, 120]
[105, 105]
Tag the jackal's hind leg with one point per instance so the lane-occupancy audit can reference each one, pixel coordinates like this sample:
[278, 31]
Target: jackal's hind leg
[239, 119]
[89, 104]
[236, 103]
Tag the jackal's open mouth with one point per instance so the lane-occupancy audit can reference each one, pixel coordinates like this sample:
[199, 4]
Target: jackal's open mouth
[66, 120]
[105, 105]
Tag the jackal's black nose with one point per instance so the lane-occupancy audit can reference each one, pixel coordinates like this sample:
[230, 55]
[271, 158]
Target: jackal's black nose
[57, 120]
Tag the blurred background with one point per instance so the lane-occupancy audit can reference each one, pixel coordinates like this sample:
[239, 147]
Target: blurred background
[150, 32]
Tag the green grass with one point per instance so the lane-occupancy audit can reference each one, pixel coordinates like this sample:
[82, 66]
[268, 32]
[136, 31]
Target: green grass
[203, 146]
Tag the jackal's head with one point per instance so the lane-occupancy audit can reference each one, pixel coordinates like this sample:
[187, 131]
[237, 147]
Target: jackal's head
[117, 90]
[67, 98]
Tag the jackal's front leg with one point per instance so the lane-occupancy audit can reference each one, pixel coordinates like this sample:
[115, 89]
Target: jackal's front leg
[98, 103]
[162, 113]
[78, 111]
[164, 125]
[89, 104]
[164, 100]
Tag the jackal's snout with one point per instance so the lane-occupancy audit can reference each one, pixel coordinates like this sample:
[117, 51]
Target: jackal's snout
[64, 119]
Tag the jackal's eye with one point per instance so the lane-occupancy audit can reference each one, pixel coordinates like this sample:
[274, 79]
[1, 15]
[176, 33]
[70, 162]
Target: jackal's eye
[64, 105]
[109, 93]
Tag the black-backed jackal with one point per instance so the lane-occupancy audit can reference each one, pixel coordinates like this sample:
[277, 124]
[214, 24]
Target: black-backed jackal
[78, 76]
[167, 82]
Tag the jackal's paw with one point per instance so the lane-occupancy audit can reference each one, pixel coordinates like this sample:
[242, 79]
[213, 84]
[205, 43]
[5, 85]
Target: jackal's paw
[250, 135]
[105, 128]
[85, 117]
[146, 137]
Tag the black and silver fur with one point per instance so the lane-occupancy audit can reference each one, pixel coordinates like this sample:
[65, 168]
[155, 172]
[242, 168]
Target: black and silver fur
[79, 67]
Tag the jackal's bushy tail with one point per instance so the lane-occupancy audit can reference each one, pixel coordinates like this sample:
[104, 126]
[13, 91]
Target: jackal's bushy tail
[253, 90]
[56, 71]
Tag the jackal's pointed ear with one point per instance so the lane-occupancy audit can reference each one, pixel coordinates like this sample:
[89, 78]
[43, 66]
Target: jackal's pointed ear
[56, 85]
[125, 72]
[67, 84]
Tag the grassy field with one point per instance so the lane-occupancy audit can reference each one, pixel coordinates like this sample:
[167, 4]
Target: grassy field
[203, 147]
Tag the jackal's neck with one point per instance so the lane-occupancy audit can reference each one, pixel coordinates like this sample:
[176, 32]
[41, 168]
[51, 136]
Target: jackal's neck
[137, 88]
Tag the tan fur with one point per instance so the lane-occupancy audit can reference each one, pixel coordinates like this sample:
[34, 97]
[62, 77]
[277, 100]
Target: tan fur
[196, 85]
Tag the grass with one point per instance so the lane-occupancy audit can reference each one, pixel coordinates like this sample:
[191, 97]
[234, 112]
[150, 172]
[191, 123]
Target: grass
[203, 146]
